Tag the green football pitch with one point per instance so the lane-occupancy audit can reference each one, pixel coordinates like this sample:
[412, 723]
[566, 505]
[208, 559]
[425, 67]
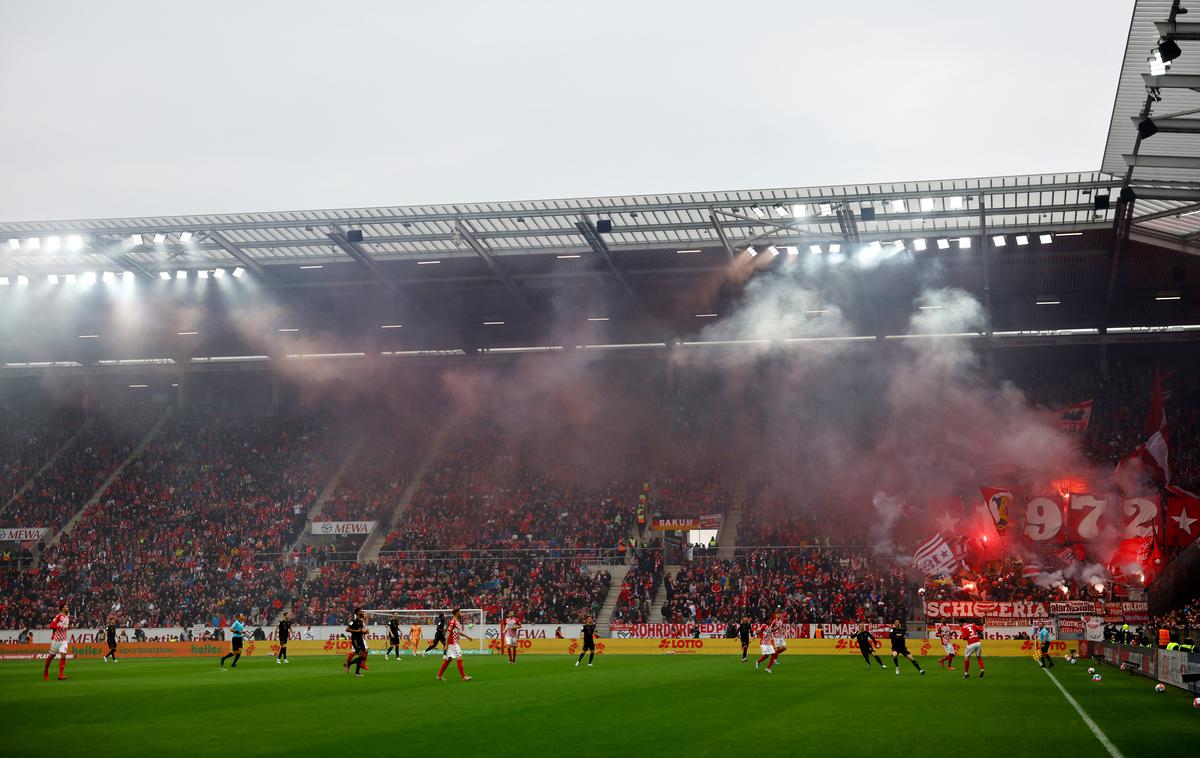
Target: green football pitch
[544, 705]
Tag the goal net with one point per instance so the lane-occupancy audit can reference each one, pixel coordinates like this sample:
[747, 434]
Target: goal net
[473, 621]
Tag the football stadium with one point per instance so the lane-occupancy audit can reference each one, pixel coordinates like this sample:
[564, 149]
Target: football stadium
[837, 470]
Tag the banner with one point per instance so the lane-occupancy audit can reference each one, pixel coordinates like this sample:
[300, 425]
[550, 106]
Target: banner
[971, 609]
[685, 524]
[23, 534]
[1074, 418]
[711, 521]
[935, 557]
[1093, 628]
[342, 527]
[1071, 607]
[1141, 660]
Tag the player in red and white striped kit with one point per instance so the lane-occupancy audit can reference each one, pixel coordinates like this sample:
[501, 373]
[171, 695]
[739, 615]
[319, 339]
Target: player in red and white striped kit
[511, 627]
[59, 628]
[766, 644]
[946, 634]
[454, 630]
[972, 633]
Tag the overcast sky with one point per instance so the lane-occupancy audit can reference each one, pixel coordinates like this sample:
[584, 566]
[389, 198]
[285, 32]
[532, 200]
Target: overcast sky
[119, 108]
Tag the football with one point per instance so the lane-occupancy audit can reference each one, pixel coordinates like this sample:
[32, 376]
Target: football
[1196, 703]
[1091, 670]
[1095, 677]
[1160, 687]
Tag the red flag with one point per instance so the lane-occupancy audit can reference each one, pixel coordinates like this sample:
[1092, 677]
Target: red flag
[1130, 559]
[999, 503]
[1182, 517]
[1148, 467]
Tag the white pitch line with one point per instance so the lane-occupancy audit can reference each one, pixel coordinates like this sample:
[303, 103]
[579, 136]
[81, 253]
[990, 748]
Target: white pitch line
[1107, 743]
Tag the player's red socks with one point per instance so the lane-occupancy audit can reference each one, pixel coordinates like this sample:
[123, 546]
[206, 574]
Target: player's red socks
[62, 667]
[981, 663]
[461, 673]
[760, 660]
[773, 659]
[46, 668]
[445, 663]
[967, 663]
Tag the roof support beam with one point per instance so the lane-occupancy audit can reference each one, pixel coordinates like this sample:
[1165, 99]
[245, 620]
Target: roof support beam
[1172, 125]
[1183, 162]
[224, 243]
[1165, 193]
[1172, 81]
[352, 249]
[1179, 30]
[121, 259]
[599, 247]
[1194, 208]
[468, 236]
[716, 222]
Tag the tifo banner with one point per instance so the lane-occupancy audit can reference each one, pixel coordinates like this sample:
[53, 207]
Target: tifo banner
[711, 521]
[935, 557]
[23, 534]
[1093, 628]
[971, 609]
[342, 527]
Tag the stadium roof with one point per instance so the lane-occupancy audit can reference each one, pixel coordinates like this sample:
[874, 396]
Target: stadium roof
[726, 221]
[1163, 167]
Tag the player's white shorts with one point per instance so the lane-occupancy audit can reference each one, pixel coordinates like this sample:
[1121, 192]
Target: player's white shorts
[780, 642]
[975, 648]
[58, 648]
[767, 648]
[509, 641]
[948, 647]
[453, 651]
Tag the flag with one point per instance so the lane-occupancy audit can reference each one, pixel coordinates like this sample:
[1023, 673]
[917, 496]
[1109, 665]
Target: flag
[1031, 570]
[1148, 467]
[999, 504]
[1130, 559]
[936, 557]
[1182, 518]
[1074, 418]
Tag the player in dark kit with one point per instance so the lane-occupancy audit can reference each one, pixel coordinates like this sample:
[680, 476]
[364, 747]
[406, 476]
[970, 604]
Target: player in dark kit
[589, 641]
[357, 629]
[743, 633]
[866, 645]
[110, 637]
[439, 634]
[285, 633]
[900, 648]
[393, 626]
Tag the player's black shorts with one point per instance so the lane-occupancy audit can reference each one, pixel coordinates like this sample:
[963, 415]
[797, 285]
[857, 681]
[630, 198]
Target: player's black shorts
[439, 637]
[866, 649]
[902, 650]
[394, 641]
[359, 647]
[237, 643]
[1045, 648]
[112, 643]
[589, 646]
[283, 640]
[744, 640]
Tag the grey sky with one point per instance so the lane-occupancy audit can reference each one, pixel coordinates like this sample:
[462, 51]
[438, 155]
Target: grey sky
[121, 108]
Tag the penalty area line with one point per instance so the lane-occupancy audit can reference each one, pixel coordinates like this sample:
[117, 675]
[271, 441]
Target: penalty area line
[1105, 741]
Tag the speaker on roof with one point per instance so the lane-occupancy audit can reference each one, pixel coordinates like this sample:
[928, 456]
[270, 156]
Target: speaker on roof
[1100, 202]
[867, 213]
[354, 235]
[604, 225]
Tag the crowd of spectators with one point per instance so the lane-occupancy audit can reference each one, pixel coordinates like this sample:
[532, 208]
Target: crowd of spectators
[62, 489]
[190, 530]
[29, 435]
[641, 584]
[810, 585]
[537, 588]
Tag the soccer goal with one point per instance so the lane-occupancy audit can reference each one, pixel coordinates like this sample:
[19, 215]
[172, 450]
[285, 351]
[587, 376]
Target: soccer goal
[473, 620]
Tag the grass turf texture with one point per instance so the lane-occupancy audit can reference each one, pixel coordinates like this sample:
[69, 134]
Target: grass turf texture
[695, 705]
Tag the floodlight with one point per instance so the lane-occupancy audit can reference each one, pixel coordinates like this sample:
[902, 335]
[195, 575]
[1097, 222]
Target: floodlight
[999, 240]
[943, 244]
[52, 278]
[53, 243]
[1044, 239]
[919, 244]
[814, 249]
[164, 275]
[1022, 239]
[33, 243]
[74, 242]
[108, 277]
[181, 274]
[964, 243]
[239, 272]
[185, 237]
[159, 238]
[219, 273]
[201, 274]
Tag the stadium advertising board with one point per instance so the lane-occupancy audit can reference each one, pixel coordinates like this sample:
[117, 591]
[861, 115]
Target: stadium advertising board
[1070, 607]
[1142, 660]
[1174, 664]
[342, 527]
[23, 534]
